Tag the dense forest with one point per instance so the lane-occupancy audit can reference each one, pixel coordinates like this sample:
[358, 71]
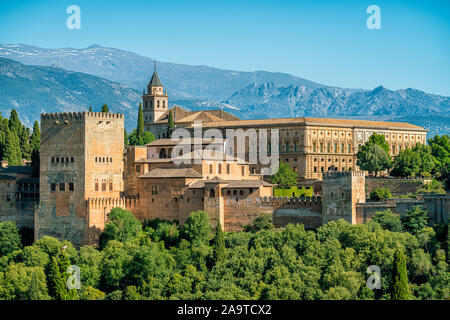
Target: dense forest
[161, 260]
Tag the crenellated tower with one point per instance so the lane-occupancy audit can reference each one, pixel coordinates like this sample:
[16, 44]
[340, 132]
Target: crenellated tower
[154, 101]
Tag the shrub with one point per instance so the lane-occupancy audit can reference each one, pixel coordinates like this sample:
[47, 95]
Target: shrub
[380, 194]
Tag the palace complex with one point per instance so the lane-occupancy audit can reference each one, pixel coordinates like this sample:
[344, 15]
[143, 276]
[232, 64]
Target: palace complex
[85, 171]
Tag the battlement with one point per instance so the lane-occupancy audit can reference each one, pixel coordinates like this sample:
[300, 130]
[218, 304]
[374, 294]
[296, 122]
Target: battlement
[340, 174]
[80, 115]
[95, 203]
[291, 201]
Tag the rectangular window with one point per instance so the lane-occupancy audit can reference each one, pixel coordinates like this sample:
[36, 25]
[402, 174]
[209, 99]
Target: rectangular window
[138, 169]
[349, 148]
[210, 168]
[228, 169]
[53, 187]
[328, 147]
[219, 169]
[96, 186]
[62, 186]
[110, 186]
[321, 147]
[315, 169]
[321, 169]
[314, 147]
[242, 170]
[342, 148]
[103, 186]
[71, 186]
[335, 148]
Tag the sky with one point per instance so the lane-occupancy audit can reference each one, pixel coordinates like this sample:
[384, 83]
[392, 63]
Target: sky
[324, 41]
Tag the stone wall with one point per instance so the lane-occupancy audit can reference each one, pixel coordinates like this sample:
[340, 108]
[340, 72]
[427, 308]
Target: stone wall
[396, 186]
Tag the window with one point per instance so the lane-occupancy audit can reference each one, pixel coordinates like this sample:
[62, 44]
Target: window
[138, 169]
[110, 159]
[321, 169]
[62, 186]
[71, 159]
[62, 160]
[335, 148]
[53, 159]
[342, 148]
[210, 168]
[212, 193]
[57, 160]
[71, 186]
[219, 169]
[315, 169]
[228, 193]
[228, 168]
[241, 193]
[287, 147]
[321, 147]
[96, 186]
[328, 147]
[67, 159]
[314, 147]
[393, 149]
[110, 186]
[103, 186]
[242, 170]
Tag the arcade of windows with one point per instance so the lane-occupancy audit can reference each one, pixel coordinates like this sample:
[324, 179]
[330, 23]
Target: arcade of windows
[335, 148]
[104, 184]
[103, 160]
[150, 105]
[62, 187]
[63, 160]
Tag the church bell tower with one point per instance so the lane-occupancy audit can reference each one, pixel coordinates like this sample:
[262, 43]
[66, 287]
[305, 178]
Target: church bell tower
[155, 101]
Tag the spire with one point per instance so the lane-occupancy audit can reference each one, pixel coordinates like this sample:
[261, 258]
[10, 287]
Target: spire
[154, 81]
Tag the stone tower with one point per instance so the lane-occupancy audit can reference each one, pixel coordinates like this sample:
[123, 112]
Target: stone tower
[340, 193]
[155, 101]
[81, 168]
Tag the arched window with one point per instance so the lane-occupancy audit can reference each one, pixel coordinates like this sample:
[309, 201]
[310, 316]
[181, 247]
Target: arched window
[162, 153]
[110, 159]
[234, 193]
[241, 193]
[157, 103]
[212, 193]
[164, 103]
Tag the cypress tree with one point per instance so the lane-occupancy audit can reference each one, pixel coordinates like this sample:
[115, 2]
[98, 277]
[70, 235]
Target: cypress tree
[105, 109]
[35, 140]
[399, 284]
[90, 109]
[57, 278]
[14, 123]
[25, 143]
[140, 126]
[170, 125]
[12, 154]
[219, 245]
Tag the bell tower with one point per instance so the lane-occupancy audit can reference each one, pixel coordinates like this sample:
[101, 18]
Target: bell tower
[155, 101]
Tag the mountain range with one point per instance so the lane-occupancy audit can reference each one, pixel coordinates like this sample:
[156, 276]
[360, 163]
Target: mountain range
[34, 79]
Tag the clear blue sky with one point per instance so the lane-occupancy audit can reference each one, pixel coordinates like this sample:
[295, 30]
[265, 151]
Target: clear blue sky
[324, 41]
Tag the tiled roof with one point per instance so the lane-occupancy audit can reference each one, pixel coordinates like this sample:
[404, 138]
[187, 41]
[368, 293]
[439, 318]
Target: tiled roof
[184, 116]
[17, 169]
[172, 173]
[231, 184]
[315, 121]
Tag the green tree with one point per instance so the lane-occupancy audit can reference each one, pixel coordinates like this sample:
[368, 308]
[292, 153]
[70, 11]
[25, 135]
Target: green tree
[12, 152]
[170, 125]
[140, 127]
[24, 139]
[105, 109]
[440, 149]
[262, 222]
[58, 276]
[378, 194]
[197, 227]
[415, 220]
[121, 226]
[406, 163]
[35, 140]
[14, 123]
[90, 109]
[427, 161]
[380, 140]
[388, 220]
[9, 238]
[285, 176]
[399, 284]
[219, 245]
[373, 158]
